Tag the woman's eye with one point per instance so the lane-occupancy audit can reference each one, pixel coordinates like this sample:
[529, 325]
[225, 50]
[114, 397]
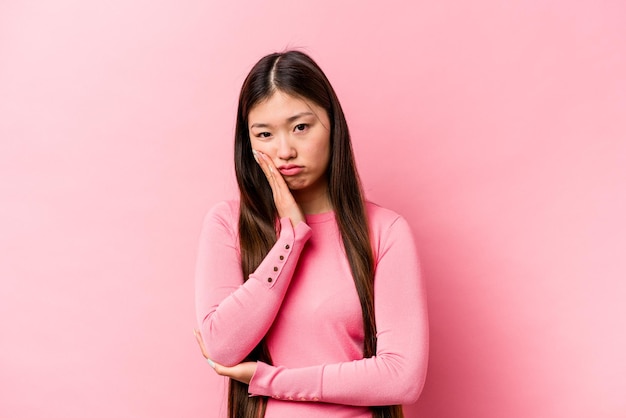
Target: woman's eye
[263, 135]
[301, 127]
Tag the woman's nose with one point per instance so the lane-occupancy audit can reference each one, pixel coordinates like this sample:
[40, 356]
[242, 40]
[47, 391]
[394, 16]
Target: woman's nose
[285, 151]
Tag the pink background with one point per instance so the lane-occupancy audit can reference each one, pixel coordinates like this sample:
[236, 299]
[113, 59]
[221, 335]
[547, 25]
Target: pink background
[498, 128]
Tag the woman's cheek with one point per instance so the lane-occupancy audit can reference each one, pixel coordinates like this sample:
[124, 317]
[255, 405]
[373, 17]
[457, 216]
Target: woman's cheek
[265, 148]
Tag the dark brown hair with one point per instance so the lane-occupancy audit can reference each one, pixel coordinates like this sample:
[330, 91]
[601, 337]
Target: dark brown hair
[296, 74]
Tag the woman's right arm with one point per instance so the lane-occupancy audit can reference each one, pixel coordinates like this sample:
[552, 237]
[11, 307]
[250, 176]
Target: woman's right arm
[234, 316]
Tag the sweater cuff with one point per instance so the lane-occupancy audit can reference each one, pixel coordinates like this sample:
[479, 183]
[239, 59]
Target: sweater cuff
[284, 254]
[302, 384]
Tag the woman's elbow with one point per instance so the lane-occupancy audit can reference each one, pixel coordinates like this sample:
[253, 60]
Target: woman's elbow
[413, 391]
[411, 383]
[220, 349]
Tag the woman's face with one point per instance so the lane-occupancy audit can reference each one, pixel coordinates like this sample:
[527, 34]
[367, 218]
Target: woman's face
[295, 134]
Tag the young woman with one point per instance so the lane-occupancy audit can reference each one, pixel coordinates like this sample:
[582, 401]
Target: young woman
[308, 297]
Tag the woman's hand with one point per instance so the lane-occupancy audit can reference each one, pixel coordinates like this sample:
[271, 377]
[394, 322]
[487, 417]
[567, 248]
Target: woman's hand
[242, 372]
[283, 199]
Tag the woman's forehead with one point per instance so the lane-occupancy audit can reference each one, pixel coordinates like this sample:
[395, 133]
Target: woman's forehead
[281, 107]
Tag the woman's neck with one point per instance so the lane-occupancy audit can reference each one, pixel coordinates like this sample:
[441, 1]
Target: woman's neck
[313, 201]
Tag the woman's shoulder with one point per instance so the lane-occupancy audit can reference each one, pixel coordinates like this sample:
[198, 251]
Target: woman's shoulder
[380, 216]
[388, 228]
[225, 212]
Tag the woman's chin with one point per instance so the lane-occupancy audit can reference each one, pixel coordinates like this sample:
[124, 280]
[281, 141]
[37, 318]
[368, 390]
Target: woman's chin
[296, 185]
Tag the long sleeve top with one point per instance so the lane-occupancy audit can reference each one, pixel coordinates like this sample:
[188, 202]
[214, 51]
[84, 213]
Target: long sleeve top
[302, 297]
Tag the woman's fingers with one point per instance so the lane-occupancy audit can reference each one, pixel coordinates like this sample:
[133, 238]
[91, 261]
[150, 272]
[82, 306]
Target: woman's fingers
[200, 343]
[202, 348]
[269, 170]
[242, 372]
[277, 183]
[283, 199]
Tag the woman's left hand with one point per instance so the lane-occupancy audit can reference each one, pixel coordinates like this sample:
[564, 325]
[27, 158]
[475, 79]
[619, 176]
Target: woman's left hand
[241, 372]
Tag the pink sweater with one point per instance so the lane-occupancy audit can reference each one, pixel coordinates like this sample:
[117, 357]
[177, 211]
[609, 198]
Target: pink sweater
[303, 298]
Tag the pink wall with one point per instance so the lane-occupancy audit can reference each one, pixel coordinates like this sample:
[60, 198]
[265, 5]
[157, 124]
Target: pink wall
[496, 127]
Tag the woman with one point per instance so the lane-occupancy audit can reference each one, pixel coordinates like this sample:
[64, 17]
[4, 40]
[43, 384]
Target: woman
[308, 298]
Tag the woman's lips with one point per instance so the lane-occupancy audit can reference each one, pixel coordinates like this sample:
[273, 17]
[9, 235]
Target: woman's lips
[290, 169]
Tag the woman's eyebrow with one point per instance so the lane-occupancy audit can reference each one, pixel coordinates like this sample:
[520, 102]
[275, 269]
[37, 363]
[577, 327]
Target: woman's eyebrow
[289, 120]
[299, 115]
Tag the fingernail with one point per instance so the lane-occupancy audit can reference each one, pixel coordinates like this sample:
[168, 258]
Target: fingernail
[255, 155]
[210, 362]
